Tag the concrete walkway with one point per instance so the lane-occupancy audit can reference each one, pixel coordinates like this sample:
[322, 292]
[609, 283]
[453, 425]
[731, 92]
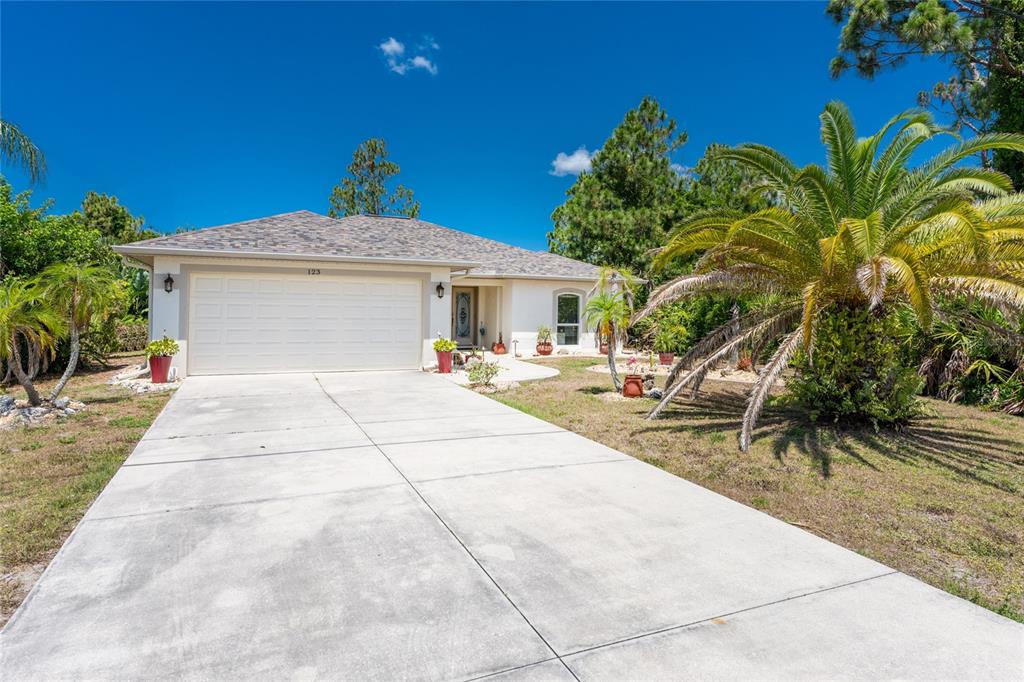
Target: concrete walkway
[396, 526]
[512, 371]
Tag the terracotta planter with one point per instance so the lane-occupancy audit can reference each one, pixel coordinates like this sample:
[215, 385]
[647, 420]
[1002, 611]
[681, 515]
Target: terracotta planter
[545, 348]
[666, 358]
[159, 366]
[633, 386]
[603, 350]
[444, 362]
[498, 348]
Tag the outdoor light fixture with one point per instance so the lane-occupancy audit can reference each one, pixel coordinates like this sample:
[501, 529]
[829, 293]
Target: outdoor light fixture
[168, 283]
[440, 289]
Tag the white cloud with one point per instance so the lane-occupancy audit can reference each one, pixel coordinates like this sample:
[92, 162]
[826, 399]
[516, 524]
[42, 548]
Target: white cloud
[392, 48]
[571, 164]
[421, 62]
[394, 55]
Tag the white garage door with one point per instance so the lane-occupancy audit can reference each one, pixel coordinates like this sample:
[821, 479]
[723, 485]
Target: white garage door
[242, 323]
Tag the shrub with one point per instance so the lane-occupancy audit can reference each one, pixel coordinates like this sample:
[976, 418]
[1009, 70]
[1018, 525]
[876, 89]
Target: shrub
[482, 373]
[443, 345]
[164, 346]
[543, 334]
[131, 335]
[856, 373]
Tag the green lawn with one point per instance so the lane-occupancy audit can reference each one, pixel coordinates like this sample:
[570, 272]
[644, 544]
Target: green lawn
[943, 500]
[50, 474]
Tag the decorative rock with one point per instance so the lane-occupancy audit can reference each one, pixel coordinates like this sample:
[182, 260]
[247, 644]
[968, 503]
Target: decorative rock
[649, 384]
[655, 393]
[61, 403]
[6, 404]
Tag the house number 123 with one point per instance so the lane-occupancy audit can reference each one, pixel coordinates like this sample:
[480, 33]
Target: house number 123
[313, 271]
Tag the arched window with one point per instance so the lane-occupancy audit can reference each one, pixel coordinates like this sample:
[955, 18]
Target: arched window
[567, 320]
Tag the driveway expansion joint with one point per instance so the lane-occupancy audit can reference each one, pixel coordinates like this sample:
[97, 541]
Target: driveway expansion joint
[453, 533]
[673, 628]
[240, 503]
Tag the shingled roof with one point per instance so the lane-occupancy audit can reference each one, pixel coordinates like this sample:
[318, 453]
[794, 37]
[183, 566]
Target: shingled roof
[363, 238]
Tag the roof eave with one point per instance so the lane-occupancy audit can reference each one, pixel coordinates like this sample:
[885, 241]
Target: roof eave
[130, 250]
[508, 275]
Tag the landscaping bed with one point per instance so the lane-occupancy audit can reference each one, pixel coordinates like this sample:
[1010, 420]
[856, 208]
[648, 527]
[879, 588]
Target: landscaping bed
[943, 500]
[51, 472]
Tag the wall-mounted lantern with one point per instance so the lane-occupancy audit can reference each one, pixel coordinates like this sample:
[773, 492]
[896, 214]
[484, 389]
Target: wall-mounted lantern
[168, 283]
[440, 289]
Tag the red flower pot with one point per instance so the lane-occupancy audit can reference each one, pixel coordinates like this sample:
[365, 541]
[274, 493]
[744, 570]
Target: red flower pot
[159, 366]
[603, 350]
[633, 386]
[444, 362]
[498, 348]
[666, 358]
[544, 348]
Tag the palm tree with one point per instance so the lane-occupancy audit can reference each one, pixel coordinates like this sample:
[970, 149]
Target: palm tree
[79, 293]
[25, 317]
[609, 314]
[17, 149]
[614, 295]
[865, 232]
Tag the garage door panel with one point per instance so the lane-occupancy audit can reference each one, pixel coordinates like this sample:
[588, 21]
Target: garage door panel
[207, 284]
[266, 323]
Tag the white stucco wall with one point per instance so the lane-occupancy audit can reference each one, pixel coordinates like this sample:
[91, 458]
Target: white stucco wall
[530, 304]
[514, 307]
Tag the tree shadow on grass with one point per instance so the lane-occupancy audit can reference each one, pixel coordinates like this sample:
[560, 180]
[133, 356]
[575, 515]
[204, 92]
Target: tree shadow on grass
[595, 390]
[969, 452]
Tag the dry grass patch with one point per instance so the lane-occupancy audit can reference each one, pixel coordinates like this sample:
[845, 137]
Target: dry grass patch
[942, 501]
[51, 473]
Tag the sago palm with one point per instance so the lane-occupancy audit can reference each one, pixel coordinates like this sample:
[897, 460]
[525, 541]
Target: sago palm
[26, 319]
[79, 293]
[863, 232]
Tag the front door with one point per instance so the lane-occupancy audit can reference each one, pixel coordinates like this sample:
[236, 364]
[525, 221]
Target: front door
[464, 316]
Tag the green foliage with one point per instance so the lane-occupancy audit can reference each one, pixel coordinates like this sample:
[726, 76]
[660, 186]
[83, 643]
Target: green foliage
[114, 222]
[543, 334]
[863, 231]
[162, 347]
[366, 190]
[483, 373]
[33, 240]
[619, 210]
[983, 40]
[18, 150]
[855, 373]
[443, 345]
[28, 326]
[1006, 97]
[608, 313]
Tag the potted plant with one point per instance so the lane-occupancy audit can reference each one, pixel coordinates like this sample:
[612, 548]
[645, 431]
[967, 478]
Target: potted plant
[633, 386]
[159, 354]
[666, 341]
[498, 347]
[444, 348]
[544, 346]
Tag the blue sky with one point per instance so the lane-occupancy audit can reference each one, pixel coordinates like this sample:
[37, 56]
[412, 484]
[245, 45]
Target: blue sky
[202, 114]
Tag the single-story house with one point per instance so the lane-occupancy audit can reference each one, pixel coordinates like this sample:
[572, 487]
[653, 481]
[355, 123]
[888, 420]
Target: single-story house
[304, 292]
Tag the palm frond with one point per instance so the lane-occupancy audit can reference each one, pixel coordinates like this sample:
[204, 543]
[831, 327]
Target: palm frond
[767, 377]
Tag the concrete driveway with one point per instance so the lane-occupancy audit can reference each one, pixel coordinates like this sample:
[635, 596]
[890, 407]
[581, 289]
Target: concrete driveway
[396, 526]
